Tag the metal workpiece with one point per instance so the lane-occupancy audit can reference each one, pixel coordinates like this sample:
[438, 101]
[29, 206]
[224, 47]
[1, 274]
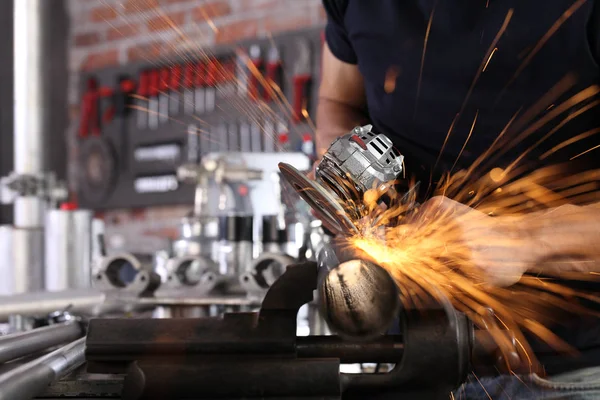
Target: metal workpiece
[264, 271]
[68, 249]
[359, 300]
[126, 272]
[85, 301]
[32, 379]
[21, 344]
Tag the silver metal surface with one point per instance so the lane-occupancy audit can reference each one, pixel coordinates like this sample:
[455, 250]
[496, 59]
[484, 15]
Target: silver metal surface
[321, 201]
[28, 260]
[29, 108]
[125, 272]
[31, 379]
[31, 342]
[68, 241]
[6, 261]
[88, 301]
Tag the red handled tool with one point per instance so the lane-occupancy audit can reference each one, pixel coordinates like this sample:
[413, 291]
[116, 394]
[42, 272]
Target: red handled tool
[254, 74]
[273, 73]
[211, 83]
[199, 94]
[142, 102]
[90, 116]
[163, 96]
[153, 84]
[188, 88]
[302, 77]
[174, 86]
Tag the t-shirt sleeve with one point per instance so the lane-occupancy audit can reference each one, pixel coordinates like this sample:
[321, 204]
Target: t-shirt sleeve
[336, 34]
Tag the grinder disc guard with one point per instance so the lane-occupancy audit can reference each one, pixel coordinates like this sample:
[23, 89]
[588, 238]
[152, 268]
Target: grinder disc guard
[327, 207]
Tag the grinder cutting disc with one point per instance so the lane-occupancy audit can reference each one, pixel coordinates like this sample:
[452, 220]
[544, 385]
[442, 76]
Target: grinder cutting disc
[324, 204]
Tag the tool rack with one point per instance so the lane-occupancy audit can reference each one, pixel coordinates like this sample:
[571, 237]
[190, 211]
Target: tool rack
[128, 157]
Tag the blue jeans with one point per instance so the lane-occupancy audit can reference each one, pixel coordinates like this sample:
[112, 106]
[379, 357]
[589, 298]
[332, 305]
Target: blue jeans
[583, 384]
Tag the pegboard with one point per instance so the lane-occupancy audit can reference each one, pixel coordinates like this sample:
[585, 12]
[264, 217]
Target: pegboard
[124, 163]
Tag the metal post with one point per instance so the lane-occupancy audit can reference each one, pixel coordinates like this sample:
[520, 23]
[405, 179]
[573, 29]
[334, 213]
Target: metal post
[29, 116]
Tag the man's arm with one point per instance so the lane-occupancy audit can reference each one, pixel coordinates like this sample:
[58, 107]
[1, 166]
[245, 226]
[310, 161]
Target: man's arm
[565, 239]
[341, 100]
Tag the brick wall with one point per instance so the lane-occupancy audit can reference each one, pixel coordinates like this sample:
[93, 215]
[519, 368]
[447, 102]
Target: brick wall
[115, 32]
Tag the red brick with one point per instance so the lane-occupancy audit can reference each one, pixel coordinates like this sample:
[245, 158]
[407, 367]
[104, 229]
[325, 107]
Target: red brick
[146, 52]
[322, 14]
[237, 31]
[287, 22]
[100, 60]
[137, 6]
[121, 32]
[211, 10]
[87, 39]
[103, 14]
[253, 5]
[166, 22]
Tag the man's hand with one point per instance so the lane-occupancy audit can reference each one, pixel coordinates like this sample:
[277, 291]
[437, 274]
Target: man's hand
[496, 246]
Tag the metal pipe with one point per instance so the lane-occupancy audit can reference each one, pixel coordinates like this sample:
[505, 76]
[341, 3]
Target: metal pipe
[32, 379]
[39, 303]
[30, 112]
[29, 107]
[18, 345]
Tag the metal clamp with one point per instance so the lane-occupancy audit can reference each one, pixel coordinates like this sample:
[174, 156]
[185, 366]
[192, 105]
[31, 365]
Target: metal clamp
[125, 272]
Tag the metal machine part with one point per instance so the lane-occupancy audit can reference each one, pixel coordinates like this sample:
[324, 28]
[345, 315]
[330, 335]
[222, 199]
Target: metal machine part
[21, 344]
[196, 273]
[354, 163]
[436, 341]
[68, 253]
[128, 273]
[84, 301]
[236, 234]
[263, 272]
[31, 379]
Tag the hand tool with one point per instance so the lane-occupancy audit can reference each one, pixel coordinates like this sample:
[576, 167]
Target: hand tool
[283, 137]
[211, 85]
[233, 137]
[301, 78]
[122, 109]
[200, 91]
[255, 137]
[193, 144]
[174, 86]
[188, 91]
[90, 115]
[142, 102]
[273, 73]
[163, 95]
[269, 135]
[241, 61]
[153, 91]
[219, 141]
[354, 163]
[254, 73]
[245, 142]
[308, 145]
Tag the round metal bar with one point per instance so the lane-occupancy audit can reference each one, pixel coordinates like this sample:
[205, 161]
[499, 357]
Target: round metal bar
[21, 344]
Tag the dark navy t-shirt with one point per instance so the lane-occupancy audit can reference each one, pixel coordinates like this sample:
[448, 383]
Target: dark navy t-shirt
[385, 39]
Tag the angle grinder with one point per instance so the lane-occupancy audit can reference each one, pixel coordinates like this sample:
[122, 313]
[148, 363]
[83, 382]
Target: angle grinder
[354, 163]
[358, 299]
